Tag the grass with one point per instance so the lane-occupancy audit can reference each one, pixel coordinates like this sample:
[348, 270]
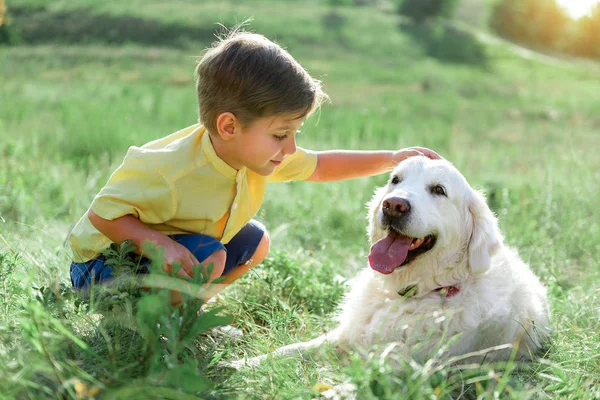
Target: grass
[524, 129]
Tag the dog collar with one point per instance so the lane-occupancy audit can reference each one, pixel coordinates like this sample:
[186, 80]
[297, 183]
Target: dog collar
[445, 291]
[448, 291]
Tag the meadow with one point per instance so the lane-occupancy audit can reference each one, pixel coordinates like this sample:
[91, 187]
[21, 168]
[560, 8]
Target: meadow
[91, 79]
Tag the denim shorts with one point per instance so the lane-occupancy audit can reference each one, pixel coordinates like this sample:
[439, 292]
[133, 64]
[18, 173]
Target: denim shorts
[239, 250]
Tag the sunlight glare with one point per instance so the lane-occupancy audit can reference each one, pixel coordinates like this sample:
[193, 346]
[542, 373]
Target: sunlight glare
[577, 8]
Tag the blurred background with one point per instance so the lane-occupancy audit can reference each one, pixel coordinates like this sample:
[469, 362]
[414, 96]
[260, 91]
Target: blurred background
[556, 26]
[508, 90]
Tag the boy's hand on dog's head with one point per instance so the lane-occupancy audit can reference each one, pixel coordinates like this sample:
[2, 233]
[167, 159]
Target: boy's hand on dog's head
[403, 154]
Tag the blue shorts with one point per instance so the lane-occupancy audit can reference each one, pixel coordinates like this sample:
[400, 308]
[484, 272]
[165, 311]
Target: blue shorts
[239, 250]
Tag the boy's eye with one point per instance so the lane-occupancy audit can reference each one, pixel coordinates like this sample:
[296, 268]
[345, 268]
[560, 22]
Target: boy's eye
[280, 137]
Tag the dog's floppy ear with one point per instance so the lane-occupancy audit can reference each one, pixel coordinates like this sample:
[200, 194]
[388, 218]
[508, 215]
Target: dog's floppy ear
[485, 236]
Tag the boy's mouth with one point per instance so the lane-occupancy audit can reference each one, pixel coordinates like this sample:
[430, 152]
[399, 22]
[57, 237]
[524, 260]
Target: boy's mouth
[276, 162]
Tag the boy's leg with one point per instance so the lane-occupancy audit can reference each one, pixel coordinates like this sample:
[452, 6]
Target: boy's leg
[245, 250]
[259, 255]
[207, 251]
[82, 274]
[96, 270]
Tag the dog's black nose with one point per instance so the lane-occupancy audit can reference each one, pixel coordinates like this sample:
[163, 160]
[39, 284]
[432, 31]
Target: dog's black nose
[395, 206]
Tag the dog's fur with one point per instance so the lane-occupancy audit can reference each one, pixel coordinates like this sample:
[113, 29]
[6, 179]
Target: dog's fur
[468, 293]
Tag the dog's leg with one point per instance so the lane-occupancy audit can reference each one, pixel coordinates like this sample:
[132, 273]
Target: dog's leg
[292, 349]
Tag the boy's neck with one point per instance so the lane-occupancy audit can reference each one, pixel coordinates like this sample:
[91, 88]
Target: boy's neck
[223, 151]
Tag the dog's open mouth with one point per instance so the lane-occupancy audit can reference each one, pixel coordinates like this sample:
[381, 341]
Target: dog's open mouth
[397, 250]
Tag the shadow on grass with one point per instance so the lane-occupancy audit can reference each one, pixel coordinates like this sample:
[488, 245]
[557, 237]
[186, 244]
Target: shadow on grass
[36, 25]
[447, 43]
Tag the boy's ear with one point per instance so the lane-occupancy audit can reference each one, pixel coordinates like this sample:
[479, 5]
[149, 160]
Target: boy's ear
[226, 125]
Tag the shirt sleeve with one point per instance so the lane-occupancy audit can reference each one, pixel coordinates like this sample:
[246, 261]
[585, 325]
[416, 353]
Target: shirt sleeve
[297, 167]
[138, 190]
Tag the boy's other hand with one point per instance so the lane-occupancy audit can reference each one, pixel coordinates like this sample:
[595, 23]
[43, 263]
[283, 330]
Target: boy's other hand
[175, 252]
[403, 154]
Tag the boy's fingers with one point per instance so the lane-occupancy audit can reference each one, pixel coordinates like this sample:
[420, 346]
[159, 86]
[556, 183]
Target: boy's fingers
[415, 152]
[187, 267]
[184, 273]
[428, 153]
[435, 155]
[191, 263]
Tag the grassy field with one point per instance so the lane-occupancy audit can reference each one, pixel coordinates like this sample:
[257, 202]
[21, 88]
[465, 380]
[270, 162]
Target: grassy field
[84, 85]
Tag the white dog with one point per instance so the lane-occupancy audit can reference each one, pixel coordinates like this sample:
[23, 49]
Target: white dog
[440, 276]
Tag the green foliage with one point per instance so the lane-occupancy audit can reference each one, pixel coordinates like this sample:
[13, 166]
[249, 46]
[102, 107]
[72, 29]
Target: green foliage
[165, 336]
[446, 43]
[298, 282]
[9, 35]
[36, 24]
[545, 25]
[169, 332]
[8, 32]
[423, 10]
[584, 41]
[122, 258]
[387, 373]
[538, 22]
[12, 292]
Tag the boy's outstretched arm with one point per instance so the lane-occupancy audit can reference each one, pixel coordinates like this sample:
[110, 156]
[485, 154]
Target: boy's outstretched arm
[336, 165]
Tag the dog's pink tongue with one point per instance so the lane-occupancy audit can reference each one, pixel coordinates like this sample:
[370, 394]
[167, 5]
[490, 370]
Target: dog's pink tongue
[388, 253]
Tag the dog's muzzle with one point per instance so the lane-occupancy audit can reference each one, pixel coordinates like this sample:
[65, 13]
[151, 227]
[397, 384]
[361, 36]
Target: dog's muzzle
[395, 212]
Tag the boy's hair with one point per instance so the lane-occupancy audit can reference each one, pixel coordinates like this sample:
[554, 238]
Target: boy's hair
[252, 77]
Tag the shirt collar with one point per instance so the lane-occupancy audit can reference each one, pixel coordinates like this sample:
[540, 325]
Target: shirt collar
[211, 155]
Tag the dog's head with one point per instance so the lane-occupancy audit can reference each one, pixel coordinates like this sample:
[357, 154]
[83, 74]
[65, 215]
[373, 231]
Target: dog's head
[429, 228]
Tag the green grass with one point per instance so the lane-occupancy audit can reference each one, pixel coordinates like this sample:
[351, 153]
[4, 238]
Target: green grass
[524, 129]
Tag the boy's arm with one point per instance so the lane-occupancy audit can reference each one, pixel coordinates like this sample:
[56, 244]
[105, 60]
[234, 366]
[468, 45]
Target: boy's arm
[338, 165]
[129, 227]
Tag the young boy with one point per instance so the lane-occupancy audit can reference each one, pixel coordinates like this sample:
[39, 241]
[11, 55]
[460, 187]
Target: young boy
[196, 191]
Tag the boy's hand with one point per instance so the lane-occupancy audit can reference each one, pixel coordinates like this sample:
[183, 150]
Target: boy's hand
[175, 252]
[403, 154]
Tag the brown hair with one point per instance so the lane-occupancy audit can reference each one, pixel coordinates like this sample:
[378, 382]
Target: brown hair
[252, 77]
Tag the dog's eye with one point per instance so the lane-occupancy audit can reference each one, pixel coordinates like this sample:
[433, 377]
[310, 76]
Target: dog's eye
[395, 180]
[439, 190]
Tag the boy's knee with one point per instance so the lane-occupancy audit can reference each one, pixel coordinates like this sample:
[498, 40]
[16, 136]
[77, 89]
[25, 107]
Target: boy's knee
[218, 259]
[262, 249]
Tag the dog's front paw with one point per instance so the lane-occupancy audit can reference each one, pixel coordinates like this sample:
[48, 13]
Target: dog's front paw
[230, 364]
[244, 362]
[237, 364]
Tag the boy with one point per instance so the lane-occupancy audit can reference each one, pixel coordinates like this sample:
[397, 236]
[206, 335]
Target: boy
[195, 192]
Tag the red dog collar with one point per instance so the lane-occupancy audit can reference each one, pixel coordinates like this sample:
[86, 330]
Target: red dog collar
[448, 291]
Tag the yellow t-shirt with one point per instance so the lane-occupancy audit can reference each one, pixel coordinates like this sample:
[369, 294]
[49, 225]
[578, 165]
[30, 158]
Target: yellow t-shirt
[178, 184]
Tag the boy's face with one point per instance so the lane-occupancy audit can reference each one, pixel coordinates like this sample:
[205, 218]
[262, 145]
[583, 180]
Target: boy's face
[264, 144]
